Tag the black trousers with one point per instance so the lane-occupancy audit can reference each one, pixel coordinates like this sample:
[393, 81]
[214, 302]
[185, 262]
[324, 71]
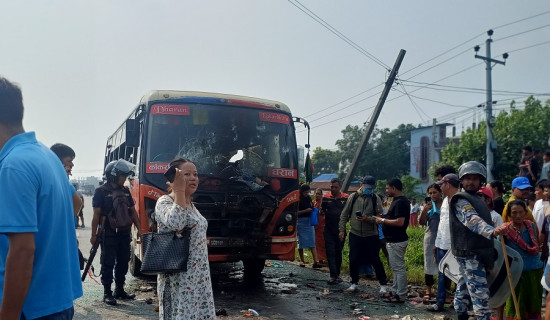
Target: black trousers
[333, 247]
[365, 250]
[115, 255]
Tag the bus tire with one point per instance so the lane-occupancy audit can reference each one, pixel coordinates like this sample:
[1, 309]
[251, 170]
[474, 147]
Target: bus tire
[135, 263]
[253, 267]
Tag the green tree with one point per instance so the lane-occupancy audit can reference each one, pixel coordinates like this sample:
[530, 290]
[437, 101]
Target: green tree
[325, 161]
[409, 186]
[512, 131]
[387, 154]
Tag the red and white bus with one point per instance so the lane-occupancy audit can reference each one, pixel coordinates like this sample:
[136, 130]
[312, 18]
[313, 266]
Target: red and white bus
[246, 155]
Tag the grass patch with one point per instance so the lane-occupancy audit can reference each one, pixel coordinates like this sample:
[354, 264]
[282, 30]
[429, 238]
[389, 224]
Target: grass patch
[414, 257]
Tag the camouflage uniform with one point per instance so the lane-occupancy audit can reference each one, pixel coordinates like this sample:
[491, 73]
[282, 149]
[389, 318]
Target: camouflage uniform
[472, 282]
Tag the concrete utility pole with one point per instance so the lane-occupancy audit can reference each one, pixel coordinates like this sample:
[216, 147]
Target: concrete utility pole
[432, 145]
[491, 144]
[372, 122]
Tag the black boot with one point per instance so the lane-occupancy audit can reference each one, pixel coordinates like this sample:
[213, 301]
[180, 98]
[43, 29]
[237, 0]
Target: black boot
[463, 316]
[121, 294]
[108, 298]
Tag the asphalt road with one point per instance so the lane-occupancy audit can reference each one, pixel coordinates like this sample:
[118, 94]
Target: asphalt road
[286, 291]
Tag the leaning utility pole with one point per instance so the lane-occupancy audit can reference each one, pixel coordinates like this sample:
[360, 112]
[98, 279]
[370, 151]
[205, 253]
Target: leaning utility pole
[374, 117]
[490, 121]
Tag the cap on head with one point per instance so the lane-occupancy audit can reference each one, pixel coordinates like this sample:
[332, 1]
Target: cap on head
[369, 182]
[472, 167]
[521, 183]
[486, 191]
[450, 177]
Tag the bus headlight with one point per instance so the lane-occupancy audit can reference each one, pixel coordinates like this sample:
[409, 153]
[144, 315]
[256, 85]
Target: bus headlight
[281, 229]
[288, 217]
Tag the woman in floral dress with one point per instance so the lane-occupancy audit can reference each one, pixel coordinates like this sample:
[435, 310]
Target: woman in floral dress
[185, 295]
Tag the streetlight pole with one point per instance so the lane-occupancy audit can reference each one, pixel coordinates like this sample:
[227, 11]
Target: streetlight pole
[490, 121]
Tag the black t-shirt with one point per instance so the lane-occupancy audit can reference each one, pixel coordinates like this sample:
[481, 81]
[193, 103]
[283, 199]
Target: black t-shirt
[103, 198]
[304, 204]
[332, 209]
[399, 208]
[535, 168]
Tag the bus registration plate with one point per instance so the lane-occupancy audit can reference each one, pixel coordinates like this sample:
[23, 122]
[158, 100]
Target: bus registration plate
[226, 242]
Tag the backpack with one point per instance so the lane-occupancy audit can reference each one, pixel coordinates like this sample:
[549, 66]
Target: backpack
[119, 217]
[356, 195]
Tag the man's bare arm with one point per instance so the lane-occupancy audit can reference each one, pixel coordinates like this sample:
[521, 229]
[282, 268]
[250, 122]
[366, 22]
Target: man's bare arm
[95, 222]
[77, 204]
[18, 274]
[135, 219]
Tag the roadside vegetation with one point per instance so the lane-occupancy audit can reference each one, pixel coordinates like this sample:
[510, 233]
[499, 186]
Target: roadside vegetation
[414, 257]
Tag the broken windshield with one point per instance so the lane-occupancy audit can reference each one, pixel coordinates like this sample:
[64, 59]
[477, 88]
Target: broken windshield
[251, 146]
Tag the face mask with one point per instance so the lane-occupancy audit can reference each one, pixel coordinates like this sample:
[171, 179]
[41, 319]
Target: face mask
[368, 192]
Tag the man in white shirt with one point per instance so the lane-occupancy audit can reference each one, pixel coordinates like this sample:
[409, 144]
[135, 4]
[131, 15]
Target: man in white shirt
[542, 200]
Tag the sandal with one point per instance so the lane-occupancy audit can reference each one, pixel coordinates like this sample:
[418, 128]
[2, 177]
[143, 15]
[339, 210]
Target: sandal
[367, 297]
[435, 308]
[426, 299]
[386, 295]
[394, 299]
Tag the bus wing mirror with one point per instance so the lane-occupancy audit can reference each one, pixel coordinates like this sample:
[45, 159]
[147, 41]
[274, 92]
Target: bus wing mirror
[132, 133]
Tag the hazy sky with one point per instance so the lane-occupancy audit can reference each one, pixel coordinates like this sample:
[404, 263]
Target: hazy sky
[83, 65]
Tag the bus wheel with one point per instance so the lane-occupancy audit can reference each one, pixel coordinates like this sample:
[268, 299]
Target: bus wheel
[135, 263]
[253, 267]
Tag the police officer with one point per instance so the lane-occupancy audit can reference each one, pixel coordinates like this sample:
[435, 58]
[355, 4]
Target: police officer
[115, 245]
[471, 242]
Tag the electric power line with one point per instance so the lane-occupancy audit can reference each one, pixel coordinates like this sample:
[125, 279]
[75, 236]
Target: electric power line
[520, 20]
[531, 46]
[346, 100]
[468, 90]
[523, 32]
[340, 35]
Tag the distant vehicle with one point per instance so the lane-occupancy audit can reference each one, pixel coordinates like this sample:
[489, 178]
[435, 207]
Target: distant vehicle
[246, 155]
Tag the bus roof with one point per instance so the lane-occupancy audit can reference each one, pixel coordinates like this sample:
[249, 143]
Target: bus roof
[212, 98]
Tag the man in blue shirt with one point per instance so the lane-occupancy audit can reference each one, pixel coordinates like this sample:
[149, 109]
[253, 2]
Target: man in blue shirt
[39, 271]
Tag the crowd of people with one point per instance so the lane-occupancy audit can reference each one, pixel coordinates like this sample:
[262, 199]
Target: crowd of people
[462, 214]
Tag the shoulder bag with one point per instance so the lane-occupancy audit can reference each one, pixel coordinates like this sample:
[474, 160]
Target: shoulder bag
[166, 252]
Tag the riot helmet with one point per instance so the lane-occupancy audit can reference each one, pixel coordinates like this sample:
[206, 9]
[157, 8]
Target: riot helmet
[472, 167]
[117, 168]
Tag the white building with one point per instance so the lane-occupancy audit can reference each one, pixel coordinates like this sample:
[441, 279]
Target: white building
[426, 145]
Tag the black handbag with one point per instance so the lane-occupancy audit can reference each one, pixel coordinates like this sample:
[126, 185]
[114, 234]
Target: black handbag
[166, 252]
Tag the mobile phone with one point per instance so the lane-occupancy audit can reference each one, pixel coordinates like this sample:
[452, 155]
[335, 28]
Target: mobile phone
[427, 199]
[170, 174]
[359, 213]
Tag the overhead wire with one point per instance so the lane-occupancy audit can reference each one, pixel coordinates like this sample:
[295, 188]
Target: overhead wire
[480, 91]
[471, 39]
[340, 118]
[531, 46]
[441, 54]
[348, 106]
[520, 33]
[442, 62]
[521, 20]
[469, 88]
[340, 35]
[415, 105]
[346, 100]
